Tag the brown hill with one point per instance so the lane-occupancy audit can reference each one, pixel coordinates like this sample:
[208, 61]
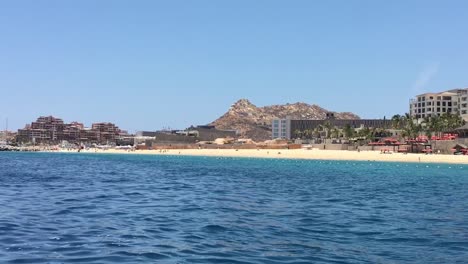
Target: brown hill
[255, 122]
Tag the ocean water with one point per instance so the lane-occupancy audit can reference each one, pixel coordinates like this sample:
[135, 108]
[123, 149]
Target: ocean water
[97, 208]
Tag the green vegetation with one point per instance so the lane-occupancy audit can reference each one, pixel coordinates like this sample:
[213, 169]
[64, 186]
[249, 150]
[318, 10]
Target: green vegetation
[430, 126]
[409, 126]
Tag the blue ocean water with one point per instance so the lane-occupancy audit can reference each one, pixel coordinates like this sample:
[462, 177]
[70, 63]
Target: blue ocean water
[68, 208]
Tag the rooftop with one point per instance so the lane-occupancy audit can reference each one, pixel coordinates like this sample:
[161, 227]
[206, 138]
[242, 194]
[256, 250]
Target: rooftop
[445, 93]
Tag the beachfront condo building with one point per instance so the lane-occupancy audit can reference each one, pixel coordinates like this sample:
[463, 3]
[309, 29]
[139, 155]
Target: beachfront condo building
[453, 101]
[49, 129]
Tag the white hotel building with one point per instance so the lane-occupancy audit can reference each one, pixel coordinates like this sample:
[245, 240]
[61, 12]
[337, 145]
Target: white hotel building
[281, 128]
[435, 104]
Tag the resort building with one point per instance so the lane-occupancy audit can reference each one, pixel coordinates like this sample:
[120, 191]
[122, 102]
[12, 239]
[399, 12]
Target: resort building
[49, 129]
[105, 132]
[284, 128]
[281, 128]
[435, 104]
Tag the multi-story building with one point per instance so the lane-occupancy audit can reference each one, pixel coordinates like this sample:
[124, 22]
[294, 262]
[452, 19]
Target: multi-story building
[281, 128]
[106, 132]
[284, 128]
[435, 104]
[48, 129]
[463, 103]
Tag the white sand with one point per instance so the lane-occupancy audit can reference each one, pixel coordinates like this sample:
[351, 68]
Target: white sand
[300, 154]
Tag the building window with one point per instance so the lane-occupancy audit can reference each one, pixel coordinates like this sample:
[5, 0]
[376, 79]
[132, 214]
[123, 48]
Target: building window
[438, 103]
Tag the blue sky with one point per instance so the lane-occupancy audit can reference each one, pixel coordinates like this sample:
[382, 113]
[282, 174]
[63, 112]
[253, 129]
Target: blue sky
[152, 64]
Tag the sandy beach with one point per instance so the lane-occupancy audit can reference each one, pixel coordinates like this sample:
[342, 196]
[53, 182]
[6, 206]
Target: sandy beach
[313, 154]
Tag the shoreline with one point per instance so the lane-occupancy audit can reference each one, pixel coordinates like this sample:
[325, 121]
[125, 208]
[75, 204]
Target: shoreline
[314, 154]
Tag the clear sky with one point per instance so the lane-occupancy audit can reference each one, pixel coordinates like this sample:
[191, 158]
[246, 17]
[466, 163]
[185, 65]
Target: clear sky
[152, 64]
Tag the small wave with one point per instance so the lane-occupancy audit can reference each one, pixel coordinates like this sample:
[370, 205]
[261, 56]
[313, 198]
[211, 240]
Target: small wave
[218, 260]
[28, 260]
[214, 228]
[191, 209]
[149, 255]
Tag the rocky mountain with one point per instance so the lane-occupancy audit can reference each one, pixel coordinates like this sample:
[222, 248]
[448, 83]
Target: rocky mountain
[255, 122]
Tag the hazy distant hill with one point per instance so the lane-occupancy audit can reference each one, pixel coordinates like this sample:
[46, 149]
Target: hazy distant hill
[255, 122]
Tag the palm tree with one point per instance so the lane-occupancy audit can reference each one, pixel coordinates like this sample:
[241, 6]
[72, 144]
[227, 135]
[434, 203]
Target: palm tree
[397, 121]
[316, 132]
[348, 131]
[444, 123]
[320, 129]
[435, 124]
[335, 132]
[428, 132]
[298, 133]
[453, 121]
[327, 126]
[365, 133]
[410, 126]
[417, 130]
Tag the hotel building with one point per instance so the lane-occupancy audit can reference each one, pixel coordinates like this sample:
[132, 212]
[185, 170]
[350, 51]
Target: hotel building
[49, 129]
[435, 104]
[281, 128]
[284, 128]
